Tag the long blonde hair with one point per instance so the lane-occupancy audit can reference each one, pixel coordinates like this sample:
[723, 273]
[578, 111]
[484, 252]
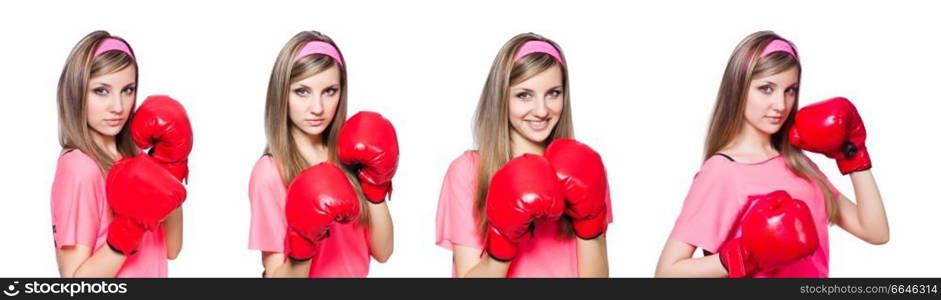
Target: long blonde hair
[80, 67]
[280, 143]
[728, 115]
[491, 123]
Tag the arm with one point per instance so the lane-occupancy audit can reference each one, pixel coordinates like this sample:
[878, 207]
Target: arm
[592, 257]
[276, 266]
[173, 233]
[469, 263]
[380, 231]
[866, 219]
[677, 260]
[79, 261]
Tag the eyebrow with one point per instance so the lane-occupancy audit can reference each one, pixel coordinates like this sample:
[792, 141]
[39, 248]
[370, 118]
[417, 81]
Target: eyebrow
[530, 90]
[329, 86]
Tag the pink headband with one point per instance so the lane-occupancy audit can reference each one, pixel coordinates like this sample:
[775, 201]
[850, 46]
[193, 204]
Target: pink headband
[538, 46]
[110, 44]
[778, 46]
[319, 47]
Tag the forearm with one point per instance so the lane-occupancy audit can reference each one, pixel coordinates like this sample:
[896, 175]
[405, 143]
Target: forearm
[707, 266]
[592, 257]
[677, 260]
[276, 266]
[173, 233]
[104, 262]
[488, 268]
[380, 231]
[869, 208]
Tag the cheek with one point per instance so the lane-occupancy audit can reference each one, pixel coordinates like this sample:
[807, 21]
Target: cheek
[518, 109]
[556, 107]
[128, 105]
[330, 107]
[295, 106]
[92, 108]
[754, 105]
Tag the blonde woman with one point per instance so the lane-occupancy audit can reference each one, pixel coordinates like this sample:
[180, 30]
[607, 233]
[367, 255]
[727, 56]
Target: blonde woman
[759, 207]
[525, 107]
[132, 224]
[317, 194]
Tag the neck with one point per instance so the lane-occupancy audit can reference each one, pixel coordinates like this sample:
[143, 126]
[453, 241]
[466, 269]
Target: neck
[520, 145]
[751, 140]
[106, 143]
[311, 147]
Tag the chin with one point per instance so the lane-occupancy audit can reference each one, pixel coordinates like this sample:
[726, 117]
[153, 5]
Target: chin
[771, 129]
[314, 131]
[109, 131]
[538, 138]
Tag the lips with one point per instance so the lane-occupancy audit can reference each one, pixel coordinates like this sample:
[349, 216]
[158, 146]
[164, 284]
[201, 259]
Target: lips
[775, 120]
[539, 125]
[314, 122]
[113, 122]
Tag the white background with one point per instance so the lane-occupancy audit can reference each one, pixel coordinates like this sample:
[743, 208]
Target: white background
[644, 79]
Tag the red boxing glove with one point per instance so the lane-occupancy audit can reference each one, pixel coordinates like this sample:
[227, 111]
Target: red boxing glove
[161, 124]
[776, 231]
[317, 197]
[522, 192]
[141, 193]
[833, 128]
[585, 182]
[368, 141]
[297, 247]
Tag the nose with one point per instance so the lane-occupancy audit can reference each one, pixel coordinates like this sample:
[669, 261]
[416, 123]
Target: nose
[316, 105]
[542, 107]
[779, 102]
[116, 103]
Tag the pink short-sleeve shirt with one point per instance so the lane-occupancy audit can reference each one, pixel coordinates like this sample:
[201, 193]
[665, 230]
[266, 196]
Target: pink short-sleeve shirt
[80, 216]
[719, 194]
[344, 254]
[547, 254]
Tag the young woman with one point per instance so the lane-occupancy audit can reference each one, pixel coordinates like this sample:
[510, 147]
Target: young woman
[758, 207]
[524, 107]
[308, 144]
[96, 96]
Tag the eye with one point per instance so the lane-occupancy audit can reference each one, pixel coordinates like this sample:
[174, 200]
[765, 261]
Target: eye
[524, 95]
[129, 90]
[791, 91]
[100, 91]
[302, 91]
[555, 93]
[330, 91]
[766, 89]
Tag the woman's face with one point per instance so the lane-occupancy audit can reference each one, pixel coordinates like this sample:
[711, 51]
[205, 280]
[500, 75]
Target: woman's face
[535, 106]
[312, 101]
[109, 101]
[770, 100]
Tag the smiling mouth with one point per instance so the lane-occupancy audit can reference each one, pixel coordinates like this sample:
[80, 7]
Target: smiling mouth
[537, 125]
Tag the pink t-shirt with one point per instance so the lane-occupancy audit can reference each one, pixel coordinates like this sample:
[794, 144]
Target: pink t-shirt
[719, 193]
[547, 254]
[344, 254]
[80, 216]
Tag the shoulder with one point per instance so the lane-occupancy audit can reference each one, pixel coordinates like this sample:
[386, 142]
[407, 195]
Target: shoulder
[466, 161]
[75, 163]
[266, 171]
[717, 166]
